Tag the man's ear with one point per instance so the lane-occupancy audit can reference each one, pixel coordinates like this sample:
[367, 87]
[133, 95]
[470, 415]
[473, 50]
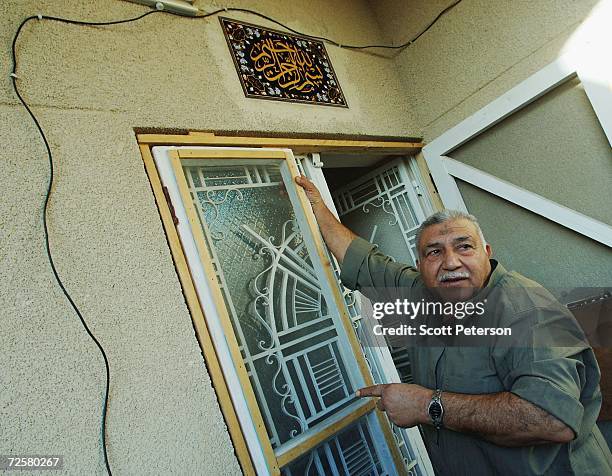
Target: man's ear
[489, 250]
[418, 265]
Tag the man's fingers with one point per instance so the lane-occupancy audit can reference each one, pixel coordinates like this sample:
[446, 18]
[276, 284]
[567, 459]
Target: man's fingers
[380, 405]
[373, 391]
[304, 183]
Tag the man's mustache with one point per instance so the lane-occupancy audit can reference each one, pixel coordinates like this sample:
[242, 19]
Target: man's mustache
[451, 275]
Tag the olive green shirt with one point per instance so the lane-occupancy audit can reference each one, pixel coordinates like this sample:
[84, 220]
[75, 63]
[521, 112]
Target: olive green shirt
[564, 381]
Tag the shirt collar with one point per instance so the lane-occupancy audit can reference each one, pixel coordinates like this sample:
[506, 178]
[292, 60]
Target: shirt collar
[497, 273]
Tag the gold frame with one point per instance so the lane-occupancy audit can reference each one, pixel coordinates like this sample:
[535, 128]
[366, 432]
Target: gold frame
[237, 65]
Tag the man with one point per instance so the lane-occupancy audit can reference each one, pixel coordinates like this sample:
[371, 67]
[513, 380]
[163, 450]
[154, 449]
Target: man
[487, 409]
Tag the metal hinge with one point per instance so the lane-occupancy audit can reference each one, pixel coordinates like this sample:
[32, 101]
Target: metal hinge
[316, 160]
[417, 188]
[170, 206]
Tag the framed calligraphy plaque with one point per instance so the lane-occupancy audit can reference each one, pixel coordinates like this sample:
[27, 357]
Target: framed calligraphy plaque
[276, 65]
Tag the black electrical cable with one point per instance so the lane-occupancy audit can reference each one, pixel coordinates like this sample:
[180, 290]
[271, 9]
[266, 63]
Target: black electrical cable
[14, 78]
[333, 42]
[446, 10]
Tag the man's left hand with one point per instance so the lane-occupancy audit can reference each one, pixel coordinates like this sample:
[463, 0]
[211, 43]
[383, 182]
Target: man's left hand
[405, 404]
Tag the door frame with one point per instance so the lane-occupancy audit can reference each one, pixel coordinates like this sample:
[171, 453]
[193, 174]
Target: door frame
[169, 220]
[595, 75]
[170, 161]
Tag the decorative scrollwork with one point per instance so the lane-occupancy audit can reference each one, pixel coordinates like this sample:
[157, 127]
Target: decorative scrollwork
[217, 235]
[261, 299]
[285, 273]
[285, 393]
[309, 465]
[283, 240]
[210, 200]
[349, 298]
[382, 203]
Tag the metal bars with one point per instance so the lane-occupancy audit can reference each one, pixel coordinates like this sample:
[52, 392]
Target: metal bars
[270, 332]
[377, 355]
[390, 189]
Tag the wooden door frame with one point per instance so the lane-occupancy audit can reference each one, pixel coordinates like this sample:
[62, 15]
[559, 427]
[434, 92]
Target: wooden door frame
[146, 142]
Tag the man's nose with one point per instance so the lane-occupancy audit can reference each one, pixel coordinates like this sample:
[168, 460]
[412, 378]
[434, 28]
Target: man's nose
[451, 261]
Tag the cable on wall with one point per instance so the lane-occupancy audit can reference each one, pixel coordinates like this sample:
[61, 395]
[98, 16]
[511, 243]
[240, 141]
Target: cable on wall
[333, 42]
[14, 77]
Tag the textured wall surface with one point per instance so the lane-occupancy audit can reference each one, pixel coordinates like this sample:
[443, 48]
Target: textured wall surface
[555, 147]
[479, 49]
[110, 250]
[169, 71]
[90, 86]
[576, 168]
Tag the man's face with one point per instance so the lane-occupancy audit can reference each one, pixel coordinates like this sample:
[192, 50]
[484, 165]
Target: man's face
[453, 261]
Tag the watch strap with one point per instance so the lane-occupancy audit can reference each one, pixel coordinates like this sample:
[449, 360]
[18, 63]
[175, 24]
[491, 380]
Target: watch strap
[436, 409]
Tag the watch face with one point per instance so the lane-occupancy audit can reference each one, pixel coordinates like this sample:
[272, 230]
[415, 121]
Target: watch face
[435, 410]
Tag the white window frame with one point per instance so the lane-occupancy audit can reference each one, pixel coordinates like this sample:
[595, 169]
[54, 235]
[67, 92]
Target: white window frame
[595, 74]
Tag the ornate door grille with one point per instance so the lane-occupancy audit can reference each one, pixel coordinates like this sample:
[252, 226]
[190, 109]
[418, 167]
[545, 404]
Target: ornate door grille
[287, 321]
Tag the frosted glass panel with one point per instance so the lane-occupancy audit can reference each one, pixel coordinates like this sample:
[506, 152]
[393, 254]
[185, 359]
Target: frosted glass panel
[286, 331]
[381, 228]
[378, 208]
[554, 147]
[536, 247]
[350, 453]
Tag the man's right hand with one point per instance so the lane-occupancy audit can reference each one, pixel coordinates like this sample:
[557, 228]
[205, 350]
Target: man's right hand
[312, 192]
[336, 235]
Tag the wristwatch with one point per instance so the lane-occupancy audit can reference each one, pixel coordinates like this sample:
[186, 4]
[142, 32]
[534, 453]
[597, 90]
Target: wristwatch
[436, 410]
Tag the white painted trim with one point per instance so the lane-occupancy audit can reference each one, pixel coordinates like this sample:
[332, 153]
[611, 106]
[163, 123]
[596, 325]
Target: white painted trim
[531, 201]
[446, 186]
[595, 75]
[518, 97]
[318, 178]
[599, 93]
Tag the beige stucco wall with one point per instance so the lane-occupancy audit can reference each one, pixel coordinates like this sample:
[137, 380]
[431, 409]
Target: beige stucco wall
[481, 49]
[574, 170]
[90, 87]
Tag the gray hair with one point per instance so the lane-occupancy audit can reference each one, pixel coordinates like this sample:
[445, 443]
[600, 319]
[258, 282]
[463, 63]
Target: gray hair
[444, 216]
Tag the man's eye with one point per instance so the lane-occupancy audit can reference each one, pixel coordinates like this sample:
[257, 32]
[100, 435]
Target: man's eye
[433, 253]
[465, 246]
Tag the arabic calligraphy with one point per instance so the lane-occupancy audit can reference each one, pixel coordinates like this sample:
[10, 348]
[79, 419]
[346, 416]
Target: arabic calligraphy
[276, 65]
[286, 65]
